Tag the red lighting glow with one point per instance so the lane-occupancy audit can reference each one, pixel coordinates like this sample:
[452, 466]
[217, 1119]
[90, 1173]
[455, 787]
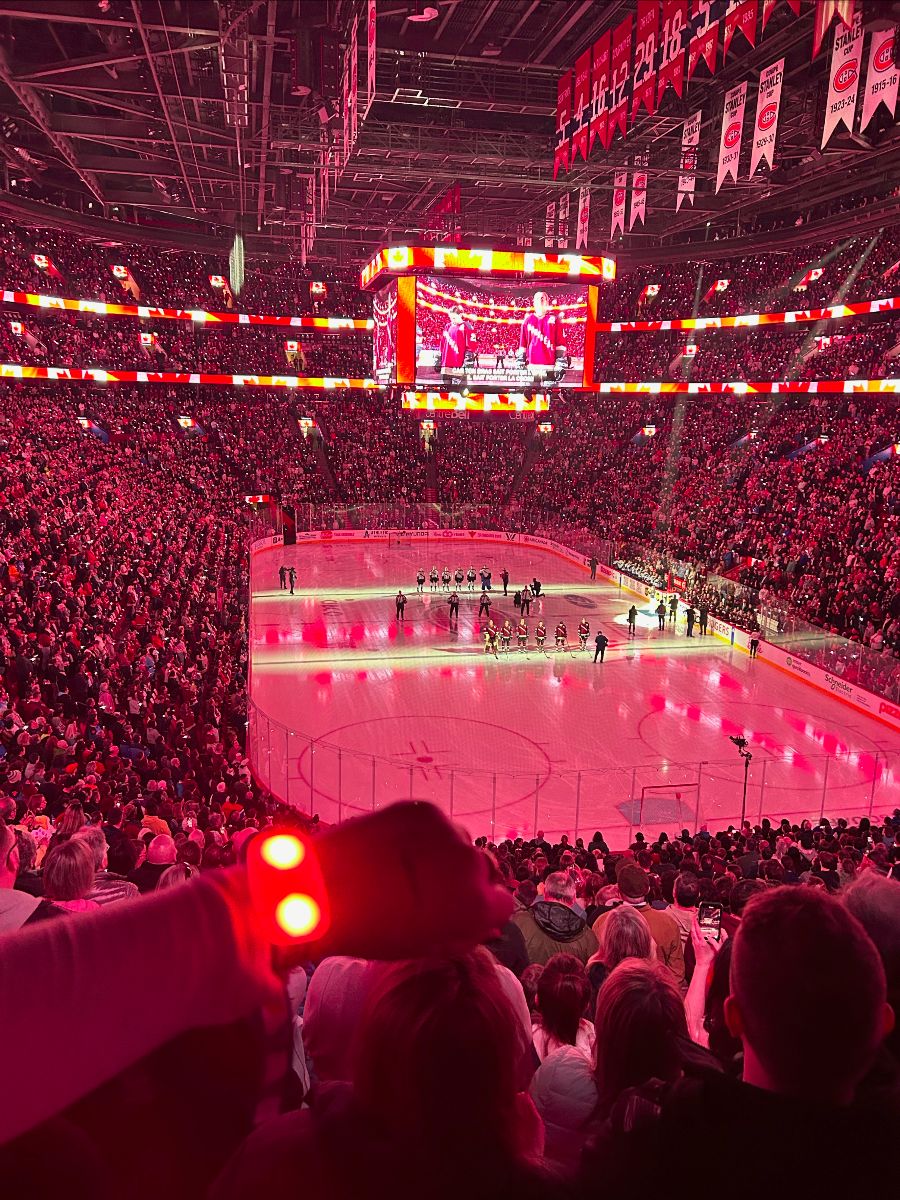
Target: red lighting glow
[298, 915]
[283, 851]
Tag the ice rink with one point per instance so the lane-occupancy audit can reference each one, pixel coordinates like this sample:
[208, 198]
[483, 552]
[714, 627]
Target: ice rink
[352, 709]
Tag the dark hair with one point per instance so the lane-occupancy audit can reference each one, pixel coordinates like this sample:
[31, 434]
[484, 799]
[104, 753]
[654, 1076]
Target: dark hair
[121, 856]
[563, 992]
[687, 889]
[743, 892]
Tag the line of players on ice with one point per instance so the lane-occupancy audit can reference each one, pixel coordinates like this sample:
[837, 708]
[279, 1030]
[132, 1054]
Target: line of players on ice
[500, 638]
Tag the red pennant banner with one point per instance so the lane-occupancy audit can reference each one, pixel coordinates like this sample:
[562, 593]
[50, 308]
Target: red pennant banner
[704, 37]
[581, 106]
[647, 33]
[600, 53]
[826, 11]
[672, 43]
[795, 5]
[740, 16]
[620, 70]
[563, 114]
[767, 9]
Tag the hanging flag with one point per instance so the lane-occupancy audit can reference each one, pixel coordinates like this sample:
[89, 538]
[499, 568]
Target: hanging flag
[600, 92]
[563, 113]
[843, 78]
[638, 191]
[704, 36]
[370, 57]
[562, 238]
[581, 106]
[672, 44]
[740, 15]
[881, 76]
[354, 80]
[687, 180]
[643, 89]
[826, 11]
[619, 72]
[618, 206]
[584, 217]
[732, 133]
[550, 226]
[345, 95]
[768, 103]
[768, 7]
[527, 232]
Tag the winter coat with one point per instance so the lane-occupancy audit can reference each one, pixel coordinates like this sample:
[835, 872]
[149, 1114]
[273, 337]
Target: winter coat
[552, 928]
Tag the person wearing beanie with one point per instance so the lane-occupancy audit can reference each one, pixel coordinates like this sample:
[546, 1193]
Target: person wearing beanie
[634, 885]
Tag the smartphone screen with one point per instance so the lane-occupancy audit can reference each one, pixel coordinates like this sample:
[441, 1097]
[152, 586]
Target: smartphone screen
[709, 918]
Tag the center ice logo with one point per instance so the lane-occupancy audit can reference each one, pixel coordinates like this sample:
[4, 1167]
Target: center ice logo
[846, 76]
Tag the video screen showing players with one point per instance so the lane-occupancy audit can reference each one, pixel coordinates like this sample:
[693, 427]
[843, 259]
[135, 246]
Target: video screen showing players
[384, 334]
[488, 335]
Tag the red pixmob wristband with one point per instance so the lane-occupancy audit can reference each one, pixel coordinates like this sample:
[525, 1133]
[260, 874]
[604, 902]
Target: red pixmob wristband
[287, 888]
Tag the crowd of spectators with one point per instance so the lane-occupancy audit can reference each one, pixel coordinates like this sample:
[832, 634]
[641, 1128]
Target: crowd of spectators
[478, 462]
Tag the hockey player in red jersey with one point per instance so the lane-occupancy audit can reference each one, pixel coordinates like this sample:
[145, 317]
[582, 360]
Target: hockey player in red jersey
[457, 346]
[542, 345]
[584, 629]
[522, 634]
[562, 636]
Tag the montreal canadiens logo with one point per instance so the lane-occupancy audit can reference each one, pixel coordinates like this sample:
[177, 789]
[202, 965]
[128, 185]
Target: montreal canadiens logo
[732, 135]
[767, 116]
[884, 59]
[846, 76]
[619, 196]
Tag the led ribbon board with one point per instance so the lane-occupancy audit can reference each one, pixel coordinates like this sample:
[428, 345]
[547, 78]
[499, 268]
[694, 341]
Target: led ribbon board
[486, 402]
[457, 260]
[99, 375]
[834, 312]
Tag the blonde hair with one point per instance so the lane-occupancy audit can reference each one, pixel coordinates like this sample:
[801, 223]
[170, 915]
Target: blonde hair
[625, 934]
[69, 870]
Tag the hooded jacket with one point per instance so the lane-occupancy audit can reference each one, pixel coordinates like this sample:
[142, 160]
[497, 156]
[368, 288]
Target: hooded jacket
[550, 927]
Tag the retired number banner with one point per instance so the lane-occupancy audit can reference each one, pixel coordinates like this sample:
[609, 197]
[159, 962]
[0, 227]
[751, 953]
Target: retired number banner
[687, 180]
[704, 37]
[620, 70]
[843, 78]
[741, 15]
[643, 88]
[563, 113]
[550, 225]
[618, 205]
[768, 103]
[370, 56]
[672, 42]
[562, 239]
[732, 133]
[581, 106]
[882, 75]
[600, 92]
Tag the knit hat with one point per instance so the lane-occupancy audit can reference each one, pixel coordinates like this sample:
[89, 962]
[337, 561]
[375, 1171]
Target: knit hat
[632, 880]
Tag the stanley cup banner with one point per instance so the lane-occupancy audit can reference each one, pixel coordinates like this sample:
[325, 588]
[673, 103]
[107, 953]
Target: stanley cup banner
[581, 106]
[638, 191]
[618, 204]
[881, 76]
[600, 92]
[843, 78]
[687, 180]
[562, 239]
[768, 103]
[550, 226]
[672, 43]
[732, 133]
[643, 88]
[370, 57]
[584, 217]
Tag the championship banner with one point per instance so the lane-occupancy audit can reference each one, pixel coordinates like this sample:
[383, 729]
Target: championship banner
[672, 43]
[618, 205]
[370, 57]
[881, 76]
[345, 96]
[562, 239]
[843, 78]
[638, 191]
[687, 180]
[768, 103]
[550, 225]
[354, 80]
[643, 89]
[704, 36]
[732, 133]
[584, 217]
[619, 72]
[563, 113]
[600, 92]
[581, 106]
[741, 16]
[826, 11]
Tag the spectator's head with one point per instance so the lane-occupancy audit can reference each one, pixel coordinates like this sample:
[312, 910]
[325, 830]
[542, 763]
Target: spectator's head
[529, 980]
[162, 850]
[94, 837]
[27, 850]
[439, 1062]
[804, 971]
[559, 887]
[743, 892]
[563, 992]
[641, 1029]
[69, 870]
[687, 890]
[122, 856]
[875, 902]
[71, 819]
[172, 876]
[634, 883]
[625, 934]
